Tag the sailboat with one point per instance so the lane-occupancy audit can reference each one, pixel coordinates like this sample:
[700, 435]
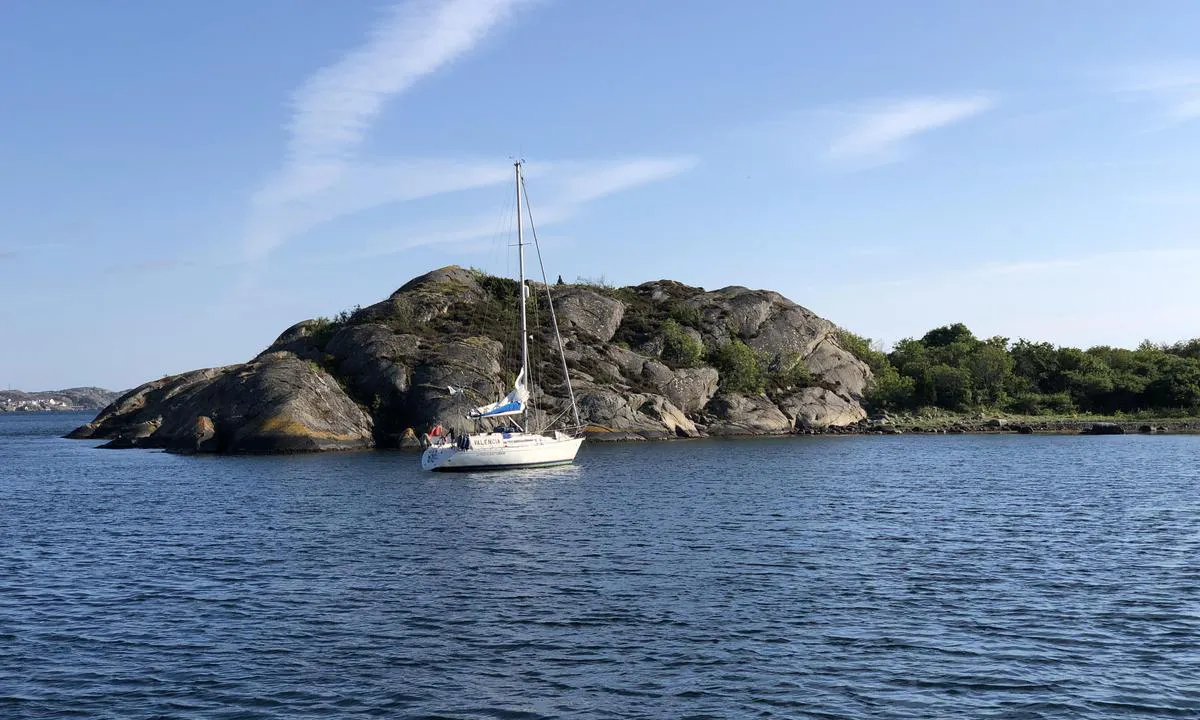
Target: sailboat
[519, 446]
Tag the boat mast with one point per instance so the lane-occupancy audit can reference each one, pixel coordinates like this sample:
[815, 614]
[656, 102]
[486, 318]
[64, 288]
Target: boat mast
[521, 295]
[562, 350]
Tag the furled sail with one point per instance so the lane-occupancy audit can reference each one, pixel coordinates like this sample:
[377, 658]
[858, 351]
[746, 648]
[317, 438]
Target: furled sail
[512, 404]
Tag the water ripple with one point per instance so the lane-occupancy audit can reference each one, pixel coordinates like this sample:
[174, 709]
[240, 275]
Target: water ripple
[998, 577]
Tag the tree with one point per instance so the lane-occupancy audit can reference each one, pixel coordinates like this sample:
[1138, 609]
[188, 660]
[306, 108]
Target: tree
[950, 368]
[860, 347]
[1177, 384]
[889, 390]
[1088, 379]
[947, 335]
[991, 369]
[1188, 349]
[1039, 364]
[910, 357]
[951, 387]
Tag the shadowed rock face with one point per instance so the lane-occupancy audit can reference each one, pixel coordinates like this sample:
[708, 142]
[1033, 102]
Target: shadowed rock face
[383, 375]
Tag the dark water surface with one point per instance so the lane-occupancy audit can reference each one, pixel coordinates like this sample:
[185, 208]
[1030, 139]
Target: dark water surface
[887, 577]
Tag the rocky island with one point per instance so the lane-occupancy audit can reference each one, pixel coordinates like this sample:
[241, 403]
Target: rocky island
[657, 360]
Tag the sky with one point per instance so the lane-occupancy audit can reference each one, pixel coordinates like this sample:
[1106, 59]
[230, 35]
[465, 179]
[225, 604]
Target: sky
[179, 182]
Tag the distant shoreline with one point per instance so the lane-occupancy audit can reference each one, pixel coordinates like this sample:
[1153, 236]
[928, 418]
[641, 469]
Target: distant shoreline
[77, 399]
[54, 411]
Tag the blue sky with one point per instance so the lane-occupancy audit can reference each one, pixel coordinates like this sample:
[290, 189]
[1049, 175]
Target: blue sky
[181, 181]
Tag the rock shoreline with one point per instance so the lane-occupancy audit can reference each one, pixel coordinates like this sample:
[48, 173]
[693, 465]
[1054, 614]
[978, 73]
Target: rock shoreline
[966, 427]
[1020, 427]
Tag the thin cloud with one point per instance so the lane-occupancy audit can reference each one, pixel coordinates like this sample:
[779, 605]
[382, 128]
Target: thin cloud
[359, 188]
[336, 108]
[596, 182]
[1174, 89]
[569, 187]
[322, 180]
[17, 251]
[1184, 197]
[150, 265]
[1113, 260]
[882, 134]
[455, 238]
[1033, 267]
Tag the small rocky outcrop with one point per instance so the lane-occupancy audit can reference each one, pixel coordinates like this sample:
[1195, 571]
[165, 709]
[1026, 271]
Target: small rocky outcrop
[817, 408]
[275, 403]
[746, 415]
[589, 312]
[649, 416]
[690, 389]
[202, 436]
[639, 359]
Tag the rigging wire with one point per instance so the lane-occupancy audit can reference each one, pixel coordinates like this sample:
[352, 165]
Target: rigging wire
[562, 351]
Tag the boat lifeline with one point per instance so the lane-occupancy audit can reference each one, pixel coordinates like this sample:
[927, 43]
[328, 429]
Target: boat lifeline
[518, 446]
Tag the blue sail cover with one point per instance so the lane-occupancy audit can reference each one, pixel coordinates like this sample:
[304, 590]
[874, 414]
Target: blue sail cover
[512, 404]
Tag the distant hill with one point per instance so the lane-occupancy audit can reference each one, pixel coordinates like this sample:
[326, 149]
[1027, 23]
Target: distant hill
[82, 398]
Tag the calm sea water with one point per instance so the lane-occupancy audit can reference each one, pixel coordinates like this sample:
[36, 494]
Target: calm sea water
[850, 577]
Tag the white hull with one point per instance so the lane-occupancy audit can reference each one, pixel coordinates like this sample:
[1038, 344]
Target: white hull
[500, 451]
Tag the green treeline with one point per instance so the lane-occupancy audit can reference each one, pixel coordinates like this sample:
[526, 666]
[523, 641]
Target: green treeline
[952, 369]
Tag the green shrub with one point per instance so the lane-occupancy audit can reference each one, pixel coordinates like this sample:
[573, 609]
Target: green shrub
[321, 330]
[740, 368]
[680, 350]
[1042, 403]
[1027, 403]
[889, 390]
[345, 316]
[685, 315]
[792, 374]
[860, 347]
[1035, 403]
[1058, 403]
